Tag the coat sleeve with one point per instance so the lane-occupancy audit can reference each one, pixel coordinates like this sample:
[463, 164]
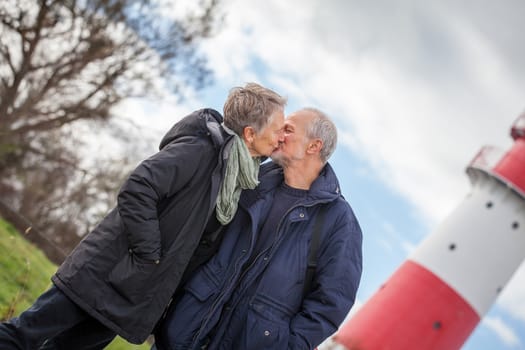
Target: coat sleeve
[155, 179]
[334, 287]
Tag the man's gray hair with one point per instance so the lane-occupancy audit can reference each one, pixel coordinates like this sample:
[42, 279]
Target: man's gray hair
[322, 128]
[252, 105]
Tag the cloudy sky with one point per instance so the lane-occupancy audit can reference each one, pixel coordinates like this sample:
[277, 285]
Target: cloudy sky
[416, 88]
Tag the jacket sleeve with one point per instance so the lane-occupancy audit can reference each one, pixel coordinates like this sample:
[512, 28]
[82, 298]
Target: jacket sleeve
[155, 179]
[334, 287]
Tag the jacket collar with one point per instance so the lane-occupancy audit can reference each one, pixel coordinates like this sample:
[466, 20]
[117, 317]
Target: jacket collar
[324, 189]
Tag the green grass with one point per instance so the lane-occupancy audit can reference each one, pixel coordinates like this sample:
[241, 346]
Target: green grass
[25, 273]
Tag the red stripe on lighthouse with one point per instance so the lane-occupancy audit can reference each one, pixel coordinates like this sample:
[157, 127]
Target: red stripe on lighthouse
[512, 165]
[413, 310]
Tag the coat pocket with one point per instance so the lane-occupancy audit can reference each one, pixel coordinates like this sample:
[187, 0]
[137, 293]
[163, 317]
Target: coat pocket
[130, 278]
[264, 333]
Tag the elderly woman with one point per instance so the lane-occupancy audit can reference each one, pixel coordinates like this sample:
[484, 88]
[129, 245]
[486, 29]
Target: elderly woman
[121, 277]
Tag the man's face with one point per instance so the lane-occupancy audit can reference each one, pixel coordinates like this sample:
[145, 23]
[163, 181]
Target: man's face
[295, 139]
[268, 139]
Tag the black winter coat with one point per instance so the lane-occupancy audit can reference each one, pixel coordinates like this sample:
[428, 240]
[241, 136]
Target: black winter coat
[125, 271]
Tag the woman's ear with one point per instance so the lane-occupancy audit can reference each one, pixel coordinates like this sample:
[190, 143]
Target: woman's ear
[248, 134]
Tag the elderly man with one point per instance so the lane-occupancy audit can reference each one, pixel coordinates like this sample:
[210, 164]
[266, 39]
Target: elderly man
[122, 276]
[256, 292]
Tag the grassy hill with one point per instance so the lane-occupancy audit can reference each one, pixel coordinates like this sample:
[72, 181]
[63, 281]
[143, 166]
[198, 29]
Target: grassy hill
[24, 274]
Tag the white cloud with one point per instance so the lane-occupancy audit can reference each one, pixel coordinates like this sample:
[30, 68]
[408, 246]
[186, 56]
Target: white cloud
[503, 331]
[155, 117]
[408, 247]
[512, 298]
[416, 124]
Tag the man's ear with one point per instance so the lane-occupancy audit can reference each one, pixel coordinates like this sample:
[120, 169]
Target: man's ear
[314, 147]
[248, 134]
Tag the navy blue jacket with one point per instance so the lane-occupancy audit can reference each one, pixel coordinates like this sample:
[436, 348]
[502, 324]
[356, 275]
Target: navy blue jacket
[126, 270]
[261, 306]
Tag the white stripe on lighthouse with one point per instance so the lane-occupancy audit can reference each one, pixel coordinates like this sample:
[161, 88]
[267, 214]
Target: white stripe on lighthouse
[481, 244]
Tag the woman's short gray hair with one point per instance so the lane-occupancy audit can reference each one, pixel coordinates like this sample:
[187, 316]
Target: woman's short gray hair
[252, 105]
[322, 128]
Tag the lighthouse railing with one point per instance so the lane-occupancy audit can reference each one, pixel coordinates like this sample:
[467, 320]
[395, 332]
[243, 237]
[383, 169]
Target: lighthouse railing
[486, 158]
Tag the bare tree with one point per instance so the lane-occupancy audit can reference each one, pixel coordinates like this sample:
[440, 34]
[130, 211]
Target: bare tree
[64, 62]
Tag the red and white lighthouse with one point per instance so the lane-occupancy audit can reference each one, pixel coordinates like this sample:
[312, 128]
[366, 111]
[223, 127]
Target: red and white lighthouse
[439, 294]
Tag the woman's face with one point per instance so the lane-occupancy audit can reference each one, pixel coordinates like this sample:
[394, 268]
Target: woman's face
[267, 140]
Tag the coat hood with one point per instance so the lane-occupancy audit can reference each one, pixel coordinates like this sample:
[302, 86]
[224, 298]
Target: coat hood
[324, 189]
[202, 121]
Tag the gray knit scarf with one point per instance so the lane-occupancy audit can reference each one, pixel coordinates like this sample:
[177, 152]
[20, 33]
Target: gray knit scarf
[241, 173]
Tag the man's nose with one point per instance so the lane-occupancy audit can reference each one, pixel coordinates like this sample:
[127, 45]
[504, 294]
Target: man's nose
[281, 136]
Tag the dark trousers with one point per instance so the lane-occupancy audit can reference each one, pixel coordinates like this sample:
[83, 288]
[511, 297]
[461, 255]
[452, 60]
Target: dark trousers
[54, 322]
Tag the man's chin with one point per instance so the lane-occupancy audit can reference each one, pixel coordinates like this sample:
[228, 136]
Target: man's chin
[276, 157]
